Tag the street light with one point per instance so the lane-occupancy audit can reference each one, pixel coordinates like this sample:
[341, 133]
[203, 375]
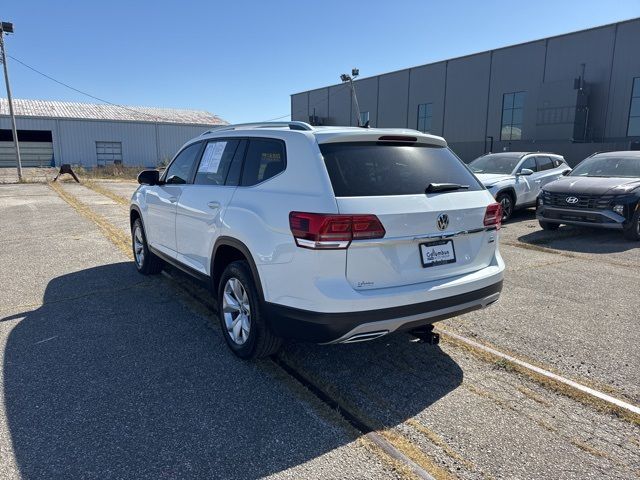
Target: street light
[349, 78]
[7, 27]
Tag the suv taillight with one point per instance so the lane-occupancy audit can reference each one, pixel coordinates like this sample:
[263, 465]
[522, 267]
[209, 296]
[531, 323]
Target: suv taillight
[329, 231]
[493, 216]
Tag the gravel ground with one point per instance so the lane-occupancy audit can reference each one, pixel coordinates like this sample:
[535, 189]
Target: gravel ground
[122, 188]
[567, 307]
[29, 174]
[107, 374]
[475, 418]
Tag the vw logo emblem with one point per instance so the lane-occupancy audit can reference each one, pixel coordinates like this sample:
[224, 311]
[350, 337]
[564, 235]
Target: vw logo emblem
[443, 221]
[571, 200]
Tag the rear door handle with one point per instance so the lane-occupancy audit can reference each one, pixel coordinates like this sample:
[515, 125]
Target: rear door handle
[173, 199]
[213, 205]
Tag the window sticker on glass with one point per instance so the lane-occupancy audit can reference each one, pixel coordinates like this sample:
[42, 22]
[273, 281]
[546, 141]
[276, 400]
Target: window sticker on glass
[211, 157]
[270, 156]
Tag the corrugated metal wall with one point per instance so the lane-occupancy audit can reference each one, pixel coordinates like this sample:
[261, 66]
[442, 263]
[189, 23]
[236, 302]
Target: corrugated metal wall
[143, 144]
[467, 93]
[32, 154]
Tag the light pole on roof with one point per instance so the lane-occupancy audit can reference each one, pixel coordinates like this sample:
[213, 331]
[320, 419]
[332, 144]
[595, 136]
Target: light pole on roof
[349, 78]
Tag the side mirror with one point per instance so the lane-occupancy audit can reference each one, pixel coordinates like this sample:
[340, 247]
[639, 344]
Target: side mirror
[149, 177]
[526, 172]
[566, 172]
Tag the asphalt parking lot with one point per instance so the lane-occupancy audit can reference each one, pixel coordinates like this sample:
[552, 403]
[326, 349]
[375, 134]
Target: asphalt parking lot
[109, 374]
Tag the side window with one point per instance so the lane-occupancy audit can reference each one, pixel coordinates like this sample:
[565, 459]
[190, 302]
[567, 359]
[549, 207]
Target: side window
[529, 163]
[215, 162]
[233, 177]
[265, 158]
[545, 163]
[180, 169]
[557, 162]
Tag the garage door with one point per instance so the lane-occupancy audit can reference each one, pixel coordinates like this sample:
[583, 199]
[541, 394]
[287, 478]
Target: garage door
[32, 154]
[109, 153]
[36, 148]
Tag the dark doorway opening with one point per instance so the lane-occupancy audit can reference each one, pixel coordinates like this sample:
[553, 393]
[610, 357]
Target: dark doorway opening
[27, 136]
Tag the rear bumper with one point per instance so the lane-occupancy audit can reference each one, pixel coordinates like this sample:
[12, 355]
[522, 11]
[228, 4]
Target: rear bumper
[294, 323]
[581, 217]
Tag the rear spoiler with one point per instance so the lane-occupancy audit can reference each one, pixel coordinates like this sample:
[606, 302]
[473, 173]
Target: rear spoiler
[381, 135]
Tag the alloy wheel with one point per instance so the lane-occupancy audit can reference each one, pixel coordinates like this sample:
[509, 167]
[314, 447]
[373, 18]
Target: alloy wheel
[138, 246]
[507, 207]
[236, 311]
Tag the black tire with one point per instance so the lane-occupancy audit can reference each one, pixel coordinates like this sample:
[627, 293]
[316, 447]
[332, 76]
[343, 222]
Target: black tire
[148, 263]
[632, 232]
[508, 204]
[548, 225]
[260, 341]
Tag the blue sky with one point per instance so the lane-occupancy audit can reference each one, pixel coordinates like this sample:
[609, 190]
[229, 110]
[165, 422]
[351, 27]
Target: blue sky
[242, 59]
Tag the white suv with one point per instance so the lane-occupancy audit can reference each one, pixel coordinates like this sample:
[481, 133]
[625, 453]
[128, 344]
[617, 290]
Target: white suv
[334, 234]
[516, 178]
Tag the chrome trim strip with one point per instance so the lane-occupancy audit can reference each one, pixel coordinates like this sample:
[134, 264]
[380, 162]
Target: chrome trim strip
[393, 324]
[430, 236]
[365, 337]
[603, 213]
[611, 226]
[302, 242]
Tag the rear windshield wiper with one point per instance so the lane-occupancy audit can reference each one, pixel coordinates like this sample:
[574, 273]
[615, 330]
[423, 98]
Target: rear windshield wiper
[444, 187]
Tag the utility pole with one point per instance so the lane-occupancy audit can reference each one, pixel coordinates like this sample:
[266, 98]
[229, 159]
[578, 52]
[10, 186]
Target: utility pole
[6, 27]
[349, 78]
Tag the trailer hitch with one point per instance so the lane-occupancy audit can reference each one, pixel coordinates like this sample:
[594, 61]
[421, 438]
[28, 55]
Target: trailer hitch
[426, 334]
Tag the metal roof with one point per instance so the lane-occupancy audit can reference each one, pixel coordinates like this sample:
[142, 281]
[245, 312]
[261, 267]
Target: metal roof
[92, 111]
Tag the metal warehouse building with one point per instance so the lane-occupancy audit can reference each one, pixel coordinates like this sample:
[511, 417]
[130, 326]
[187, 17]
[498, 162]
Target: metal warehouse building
[573, 94]
[51, 132]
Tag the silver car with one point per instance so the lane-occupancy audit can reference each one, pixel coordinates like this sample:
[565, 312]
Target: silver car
[516, 178]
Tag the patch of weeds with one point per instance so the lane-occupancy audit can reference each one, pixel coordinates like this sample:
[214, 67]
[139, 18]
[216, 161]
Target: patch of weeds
[505, 365]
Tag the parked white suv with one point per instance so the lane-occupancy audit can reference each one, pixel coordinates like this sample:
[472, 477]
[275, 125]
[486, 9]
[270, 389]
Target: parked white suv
[516, 178]
[321, 234]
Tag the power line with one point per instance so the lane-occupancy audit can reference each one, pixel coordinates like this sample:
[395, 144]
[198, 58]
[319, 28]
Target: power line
[279, 118]
[155, 117]
[323, 99]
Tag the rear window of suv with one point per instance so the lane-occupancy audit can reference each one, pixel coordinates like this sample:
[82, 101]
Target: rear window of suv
[367, 169]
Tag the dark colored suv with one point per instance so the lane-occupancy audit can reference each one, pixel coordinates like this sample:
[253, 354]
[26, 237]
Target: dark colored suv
[602, 191]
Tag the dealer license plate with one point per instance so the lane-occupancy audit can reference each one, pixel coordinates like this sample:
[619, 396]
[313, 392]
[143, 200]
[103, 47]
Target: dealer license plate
[437, 253]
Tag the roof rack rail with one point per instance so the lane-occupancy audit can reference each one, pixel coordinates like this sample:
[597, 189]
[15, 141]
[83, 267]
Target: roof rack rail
[293, 125]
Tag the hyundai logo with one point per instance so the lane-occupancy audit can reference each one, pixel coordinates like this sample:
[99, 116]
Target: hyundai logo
[571, 200]
[443, 221]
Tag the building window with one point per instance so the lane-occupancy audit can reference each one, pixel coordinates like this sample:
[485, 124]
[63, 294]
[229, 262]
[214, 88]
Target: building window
[633, 130]
[109, 153]
[425, 114]
[512, 105]
[364, 118]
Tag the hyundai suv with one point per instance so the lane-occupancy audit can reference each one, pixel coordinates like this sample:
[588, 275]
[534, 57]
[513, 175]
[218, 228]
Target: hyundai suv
[602, 191]
[322, 234]
[515, 178]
